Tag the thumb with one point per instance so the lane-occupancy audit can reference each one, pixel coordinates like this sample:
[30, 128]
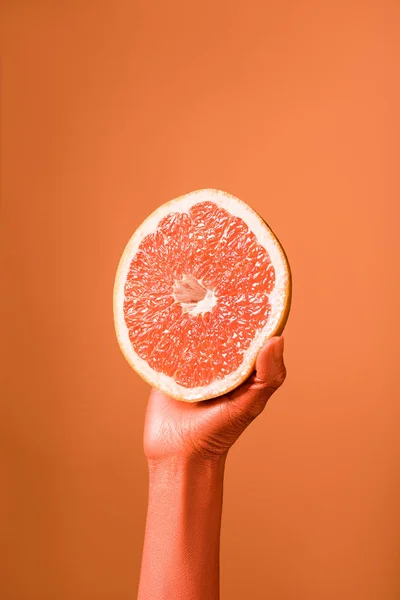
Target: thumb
[270, 367]
[270, 372]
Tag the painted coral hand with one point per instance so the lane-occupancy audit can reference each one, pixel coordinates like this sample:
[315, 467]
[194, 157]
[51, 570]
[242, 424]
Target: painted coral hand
[209, 428]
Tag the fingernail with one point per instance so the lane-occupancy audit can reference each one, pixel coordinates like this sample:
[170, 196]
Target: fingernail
[278, 348]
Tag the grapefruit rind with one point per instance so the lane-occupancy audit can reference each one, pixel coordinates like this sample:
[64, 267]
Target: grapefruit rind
[279, 298]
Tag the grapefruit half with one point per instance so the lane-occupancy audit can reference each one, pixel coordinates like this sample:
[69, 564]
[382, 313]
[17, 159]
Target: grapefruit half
[202, 284]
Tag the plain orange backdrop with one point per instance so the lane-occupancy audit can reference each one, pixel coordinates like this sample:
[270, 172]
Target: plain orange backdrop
[110, 108]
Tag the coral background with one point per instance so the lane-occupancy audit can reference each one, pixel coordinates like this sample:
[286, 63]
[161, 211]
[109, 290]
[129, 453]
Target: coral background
[111, 108]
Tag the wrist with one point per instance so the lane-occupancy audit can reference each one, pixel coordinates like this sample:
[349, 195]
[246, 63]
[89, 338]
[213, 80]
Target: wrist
[194, 466]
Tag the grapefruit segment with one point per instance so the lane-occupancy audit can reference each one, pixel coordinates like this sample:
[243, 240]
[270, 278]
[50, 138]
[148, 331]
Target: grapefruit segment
[201, 285]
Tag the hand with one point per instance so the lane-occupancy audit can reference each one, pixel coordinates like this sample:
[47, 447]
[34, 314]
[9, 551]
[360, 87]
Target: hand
[208, 429]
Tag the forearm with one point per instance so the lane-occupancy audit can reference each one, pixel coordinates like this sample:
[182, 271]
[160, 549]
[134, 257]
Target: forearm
[181, 548]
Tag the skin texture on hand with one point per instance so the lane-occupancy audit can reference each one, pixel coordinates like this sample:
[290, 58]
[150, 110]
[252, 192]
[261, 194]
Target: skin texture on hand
[186, 445]
[209, 428]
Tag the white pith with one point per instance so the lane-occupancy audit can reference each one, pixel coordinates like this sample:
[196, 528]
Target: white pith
[204, 303]
[278, 298]
[202, 306]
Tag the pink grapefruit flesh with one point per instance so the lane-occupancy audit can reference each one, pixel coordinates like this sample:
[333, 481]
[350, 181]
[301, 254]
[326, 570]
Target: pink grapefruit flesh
[201, 285]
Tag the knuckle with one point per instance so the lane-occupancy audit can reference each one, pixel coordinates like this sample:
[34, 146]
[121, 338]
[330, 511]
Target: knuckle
[278, 379]
[281, 375]
[256, 407]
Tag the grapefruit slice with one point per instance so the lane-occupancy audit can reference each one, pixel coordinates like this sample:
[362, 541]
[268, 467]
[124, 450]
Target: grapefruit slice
[201, 285]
